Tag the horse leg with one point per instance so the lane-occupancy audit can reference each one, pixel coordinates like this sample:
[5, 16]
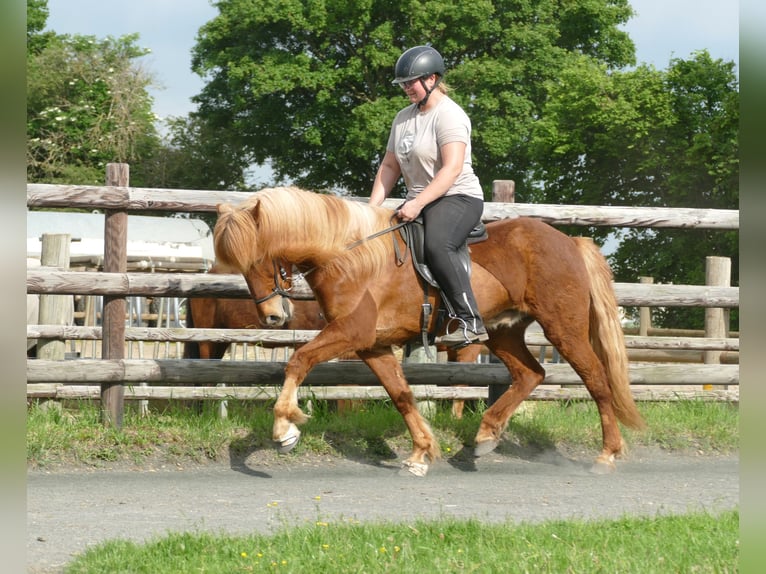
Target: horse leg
[339, 336]
[287, 413]
[425, 448]
[575, 348]
[507, 343]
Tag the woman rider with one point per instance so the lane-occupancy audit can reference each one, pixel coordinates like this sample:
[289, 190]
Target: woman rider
[430, 147]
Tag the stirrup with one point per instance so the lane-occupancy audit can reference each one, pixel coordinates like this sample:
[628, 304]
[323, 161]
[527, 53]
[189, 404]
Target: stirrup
[462, 336]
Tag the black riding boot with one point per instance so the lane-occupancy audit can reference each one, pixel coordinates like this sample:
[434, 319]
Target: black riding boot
[465, 325]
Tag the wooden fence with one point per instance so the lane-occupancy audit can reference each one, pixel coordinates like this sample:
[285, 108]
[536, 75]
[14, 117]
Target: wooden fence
[114, 378]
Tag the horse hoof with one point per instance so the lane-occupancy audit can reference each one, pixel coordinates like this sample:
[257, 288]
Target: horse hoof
[413, 469]
[484, 447]
[287, 442]
[603, 467]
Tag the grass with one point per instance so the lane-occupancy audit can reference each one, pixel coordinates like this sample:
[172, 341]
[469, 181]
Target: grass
[74, 435]
[699, 543]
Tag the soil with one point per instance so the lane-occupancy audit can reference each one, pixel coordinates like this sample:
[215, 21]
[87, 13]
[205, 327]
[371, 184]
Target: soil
[70, 508]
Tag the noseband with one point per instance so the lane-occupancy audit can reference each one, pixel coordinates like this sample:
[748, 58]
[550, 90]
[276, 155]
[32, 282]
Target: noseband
[280, 276]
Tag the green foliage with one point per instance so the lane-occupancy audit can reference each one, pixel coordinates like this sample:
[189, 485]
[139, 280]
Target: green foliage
[87, 105]
[650, 138]
[37, 16]
[193, 155]
[308, 84]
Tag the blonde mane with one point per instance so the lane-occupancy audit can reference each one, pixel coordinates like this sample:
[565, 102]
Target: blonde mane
[300, 225]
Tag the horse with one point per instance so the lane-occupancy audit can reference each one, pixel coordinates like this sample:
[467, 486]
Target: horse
[274, 312]
[525, 271]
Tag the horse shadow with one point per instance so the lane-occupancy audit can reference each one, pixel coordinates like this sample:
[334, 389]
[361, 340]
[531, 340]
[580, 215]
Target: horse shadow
[522, 443]
[244, 450]
[250, 453]
[254, 452]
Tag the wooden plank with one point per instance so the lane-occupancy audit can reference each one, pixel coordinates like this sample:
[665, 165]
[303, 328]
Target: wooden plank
[113, 316]
[345, 373]
[278, 338]
[180, 200]
[41, 280]
[55, 309]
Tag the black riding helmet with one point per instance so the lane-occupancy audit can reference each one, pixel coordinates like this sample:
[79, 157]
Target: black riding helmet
[418, 63]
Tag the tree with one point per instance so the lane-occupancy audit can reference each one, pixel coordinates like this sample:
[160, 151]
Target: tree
[87, 104]
[650, 138]
[194, 156]
[307, 85]
[37, 16]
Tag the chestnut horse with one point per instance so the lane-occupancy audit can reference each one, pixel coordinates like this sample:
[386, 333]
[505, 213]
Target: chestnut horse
[525, 271]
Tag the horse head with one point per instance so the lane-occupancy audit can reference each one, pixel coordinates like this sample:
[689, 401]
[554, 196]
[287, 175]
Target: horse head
[236, 246]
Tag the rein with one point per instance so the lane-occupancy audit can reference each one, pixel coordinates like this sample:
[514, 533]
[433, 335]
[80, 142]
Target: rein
[377, 234]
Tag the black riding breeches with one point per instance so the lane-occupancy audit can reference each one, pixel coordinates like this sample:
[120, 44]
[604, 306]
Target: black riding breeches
[447, 222]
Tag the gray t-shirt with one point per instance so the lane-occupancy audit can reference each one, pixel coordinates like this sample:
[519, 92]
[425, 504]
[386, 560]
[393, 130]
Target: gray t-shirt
[416, 139]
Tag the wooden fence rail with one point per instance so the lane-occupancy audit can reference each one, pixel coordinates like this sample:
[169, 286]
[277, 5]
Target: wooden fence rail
[357, 392]
[276, 338]
[261, 373]
[41, 280]
[193, 201]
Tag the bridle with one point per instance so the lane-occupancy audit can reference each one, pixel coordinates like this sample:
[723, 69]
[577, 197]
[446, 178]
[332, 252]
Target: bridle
[280, 273]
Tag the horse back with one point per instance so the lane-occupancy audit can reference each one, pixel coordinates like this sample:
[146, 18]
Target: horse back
[530, 257]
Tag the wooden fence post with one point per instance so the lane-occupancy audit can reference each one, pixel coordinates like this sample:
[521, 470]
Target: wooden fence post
[717, 273]
[113, 329]
[645, 313]
[503, 191]
[55, 309]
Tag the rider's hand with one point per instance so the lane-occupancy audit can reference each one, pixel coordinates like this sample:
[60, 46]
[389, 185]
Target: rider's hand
[410, 210]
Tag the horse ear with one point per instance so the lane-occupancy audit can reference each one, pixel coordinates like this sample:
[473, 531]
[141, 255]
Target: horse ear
[222, 208]
[256, 211]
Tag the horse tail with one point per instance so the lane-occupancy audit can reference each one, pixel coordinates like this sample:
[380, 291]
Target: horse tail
[606, 334]
[191, 348]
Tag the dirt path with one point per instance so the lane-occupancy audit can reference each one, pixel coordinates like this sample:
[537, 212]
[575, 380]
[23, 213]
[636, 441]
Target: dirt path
[71, 510]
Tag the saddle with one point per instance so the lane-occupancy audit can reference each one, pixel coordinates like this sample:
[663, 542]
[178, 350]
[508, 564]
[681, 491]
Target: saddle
[413, 236]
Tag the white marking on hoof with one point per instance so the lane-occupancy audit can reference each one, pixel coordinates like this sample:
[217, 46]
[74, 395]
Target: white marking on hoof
[485, 447]
[287, 442]
[413, 468]
[603, 466]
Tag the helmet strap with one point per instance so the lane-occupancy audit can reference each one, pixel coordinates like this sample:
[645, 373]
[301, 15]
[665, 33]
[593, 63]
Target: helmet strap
[423, 102]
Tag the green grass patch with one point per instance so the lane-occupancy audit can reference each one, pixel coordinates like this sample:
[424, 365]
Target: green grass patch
[699, 543]
[374, 430]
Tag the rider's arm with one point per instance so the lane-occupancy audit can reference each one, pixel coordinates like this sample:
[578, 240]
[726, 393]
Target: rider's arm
[387, 176]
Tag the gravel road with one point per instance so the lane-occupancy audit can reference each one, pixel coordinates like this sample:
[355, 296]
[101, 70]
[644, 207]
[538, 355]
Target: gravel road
[70, 510]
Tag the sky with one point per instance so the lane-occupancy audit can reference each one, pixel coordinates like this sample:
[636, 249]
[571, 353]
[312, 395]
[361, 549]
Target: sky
[661, 30]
